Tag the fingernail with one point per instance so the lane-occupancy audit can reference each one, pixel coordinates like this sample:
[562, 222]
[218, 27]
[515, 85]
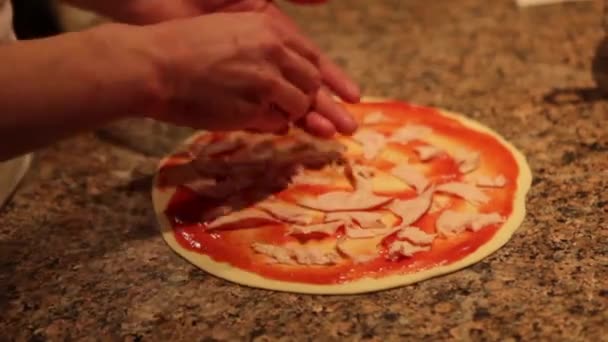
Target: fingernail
[352, 128]
[355, 91]
[349, 124]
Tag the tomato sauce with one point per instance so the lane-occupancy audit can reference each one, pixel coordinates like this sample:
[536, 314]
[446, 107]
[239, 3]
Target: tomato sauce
[233, 246]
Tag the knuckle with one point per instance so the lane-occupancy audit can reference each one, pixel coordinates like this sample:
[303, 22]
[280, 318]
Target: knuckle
[315, 58]
[270, 85]
[316, 80]
[270, 45]
[267, 20]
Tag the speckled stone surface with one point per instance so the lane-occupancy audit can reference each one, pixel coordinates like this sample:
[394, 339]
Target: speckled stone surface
[80, 255]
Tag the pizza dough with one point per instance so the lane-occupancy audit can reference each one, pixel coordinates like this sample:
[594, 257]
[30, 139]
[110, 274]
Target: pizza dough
[435, 192]
[11, 173]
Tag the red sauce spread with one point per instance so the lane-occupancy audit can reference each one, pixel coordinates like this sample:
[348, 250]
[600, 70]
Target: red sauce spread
[233, 246]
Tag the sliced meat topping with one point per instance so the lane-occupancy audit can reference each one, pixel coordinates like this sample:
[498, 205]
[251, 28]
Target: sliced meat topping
[297, 255]
[281, 255]
[427, 152]
[315, 143]
[440, 202]
[246, 218]
[303, 177]
[466, 191]
[371, 141]
[365, 219]
[405, 248]
[324, 228]
[375, 117]
[362, 198]
[344, 201]
[416, 236]
[210, 187]
[411, 176]
[467, 161]
[221, 147]
[363, 258]
[288, 212]
[357, 258]
[362, 177]
[491, 182]
[358, 233]
[409, 133]
[411, 210]
[202, 185]
[452, 222]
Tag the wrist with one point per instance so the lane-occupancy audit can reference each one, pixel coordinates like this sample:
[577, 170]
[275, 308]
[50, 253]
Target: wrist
[131, 69]
[147, 12]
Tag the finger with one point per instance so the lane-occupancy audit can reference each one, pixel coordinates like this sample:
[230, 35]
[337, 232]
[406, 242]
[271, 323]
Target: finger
[292, 37]
[288, 98]
[300, 72]
[269, 120]
[233, 5]
[316, 124]
[336, 79]
[335, 113]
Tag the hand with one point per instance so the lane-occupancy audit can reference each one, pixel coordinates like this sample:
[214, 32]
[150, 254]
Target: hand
[325, 112]
[161, 10]
[326, 116]
[252, 74]
[155, 11]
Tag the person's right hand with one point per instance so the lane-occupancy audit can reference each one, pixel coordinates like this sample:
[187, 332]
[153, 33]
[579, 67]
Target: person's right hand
[231, 71]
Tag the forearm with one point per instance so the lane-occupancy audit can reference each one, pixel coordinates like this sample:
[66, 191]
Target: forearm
[52, 88]
[145, 12]
[138, 11]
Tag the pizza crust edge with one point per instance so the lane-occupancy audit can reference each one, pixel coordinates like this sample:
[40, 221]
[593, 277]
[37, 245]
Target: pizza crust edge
[225, 271]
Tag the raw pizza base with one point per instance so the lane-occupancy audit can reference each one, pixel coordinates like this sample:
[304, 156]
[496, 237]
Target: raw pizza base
[226, 271]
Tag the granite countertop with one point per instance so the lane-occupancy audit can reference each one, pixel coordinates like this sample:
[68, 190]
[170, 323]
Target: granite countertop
[80, 255]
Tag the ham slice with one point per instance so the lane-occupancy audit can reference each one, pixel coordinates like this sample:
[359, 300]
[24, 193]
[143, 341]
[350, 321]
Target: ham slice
[302, 177]
[287, 212]
[416, 236]
[427, 152]
[365, 219]
[491, 182]
[440, 202]
[371, 141]
[324, 228]
[318, 144]
[221, 147]
[202, 185]
[358, 233]
[466, 191]
[411, 210]
[249, 217]
[405, 248]
[363, 258]
[362, 177]
[344, 201]
[451, 222]
[467, 161]
[210, 187]
[280, 255]
[355, 257]
[362, 198]
[409, 133]
[375, 118]
[412, 176]
[297, 255]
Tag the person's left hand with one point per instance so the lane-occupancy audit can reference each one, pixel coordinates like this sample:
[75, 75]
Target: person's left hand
[326, 114]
